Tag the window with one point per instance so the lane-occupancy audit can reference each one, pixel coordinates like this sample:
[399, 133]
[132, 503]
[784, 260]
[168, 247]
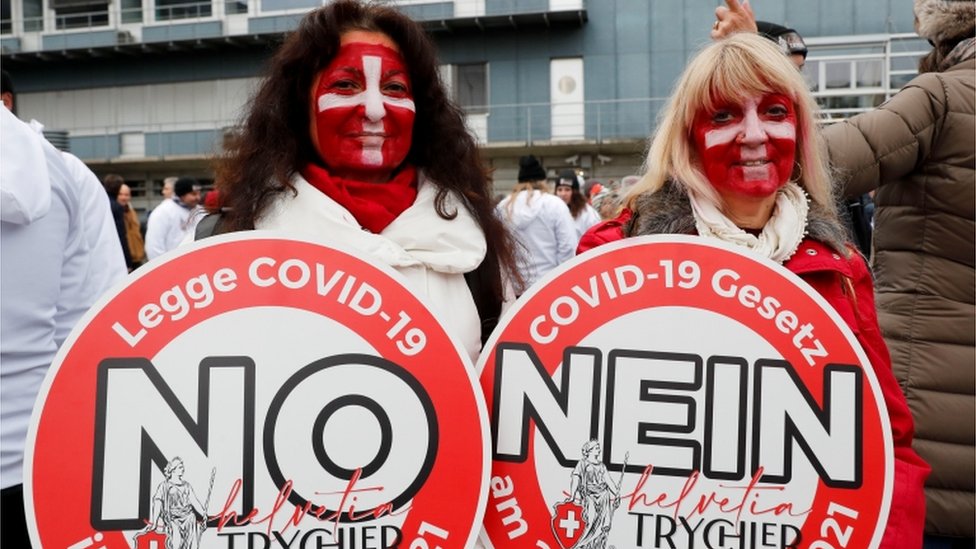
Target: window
[838, 75]
[79, 14]
[33, 15]
[131, 11]
[232, 7]
[868, 72]
[851, 74]
[167, 10]
[467, 85]
[472, 87]
[6, 25]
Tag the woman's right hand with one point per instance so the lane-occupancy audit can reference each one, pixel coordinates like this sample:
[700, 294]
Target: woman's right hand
[734, 18]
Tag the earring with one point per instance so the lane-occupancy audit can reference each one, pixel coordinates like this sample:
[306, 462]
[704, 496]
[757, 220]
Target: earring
[798, 170]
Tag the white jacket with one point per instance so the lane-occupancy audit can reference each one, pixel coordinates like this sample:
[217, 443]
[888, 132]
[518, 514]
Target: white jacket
[586, 219]
[107, 265]
[46, 261]
[431, 252]
[169, 225]
[544, 228]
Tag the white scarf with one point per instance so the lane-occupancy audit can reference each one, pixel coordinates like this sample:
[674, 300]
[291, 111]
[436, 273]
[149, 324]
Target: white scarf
[781, 235]
[418, 236]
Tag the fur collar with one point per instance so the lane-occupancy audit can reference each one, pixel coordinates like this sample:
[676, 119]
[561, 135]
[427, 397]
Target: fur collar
[942, 20]
[668, 211]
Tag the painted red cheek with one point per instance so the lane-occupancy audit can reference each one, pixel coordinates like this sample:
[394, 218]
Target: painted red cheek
[363, 130]
[734, 167]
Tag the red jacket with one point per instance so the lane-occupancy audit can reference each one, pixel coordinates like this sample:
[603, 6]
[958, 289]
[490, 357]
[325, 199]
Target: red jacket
[846, 284]
[610, 230]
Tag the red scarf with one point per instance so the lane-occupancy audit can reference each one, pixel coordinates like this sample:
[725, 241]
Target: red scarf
[374, 205]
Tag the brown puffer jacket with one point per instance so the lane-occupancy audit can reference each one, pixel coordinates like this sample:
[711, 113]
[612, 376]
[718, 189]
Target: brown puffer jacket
[917, 150]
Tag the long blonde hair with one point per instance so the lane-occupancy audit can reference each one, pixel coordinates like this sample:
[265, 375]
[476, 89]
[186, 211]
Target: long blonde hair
[523, 186]
[726, 71]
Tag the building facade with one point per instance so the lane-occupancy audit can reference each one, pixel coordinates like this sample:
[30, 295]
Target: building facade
[149, 88]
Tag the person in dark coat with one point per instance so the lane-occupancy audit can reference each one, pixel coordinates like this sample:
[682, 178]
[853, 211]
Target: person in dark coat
[113, 184]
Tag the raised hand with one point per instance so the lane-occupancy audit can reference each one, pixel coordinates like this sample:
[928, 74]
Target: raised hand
[734, 17]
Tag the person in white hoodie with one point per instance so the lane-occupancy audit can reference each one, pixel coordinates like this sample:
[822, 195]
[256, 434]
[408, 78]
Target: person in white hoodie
[175, 219]
[45, 261]
[108, 267]
[540, 221]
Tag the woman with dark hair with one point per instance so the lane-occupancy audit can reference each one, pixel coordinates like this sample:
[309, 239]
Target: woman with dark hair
[351, 137]
[133, 231]
[568, 189]
[113, 184]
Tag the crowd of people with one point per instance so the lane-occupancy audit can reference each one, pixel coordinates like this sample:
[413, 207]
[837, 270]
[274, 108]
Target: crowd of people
[351, 137]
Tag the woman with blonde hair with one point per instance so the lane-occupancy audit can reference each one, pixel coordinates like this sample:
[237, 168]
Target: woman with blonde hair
[737, 157]
[540, 222]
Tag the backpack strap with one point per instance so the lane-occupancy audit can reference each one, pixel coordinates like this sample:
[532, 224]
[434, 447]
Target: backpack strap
[859, 223]
[489, 307]
[209, 226]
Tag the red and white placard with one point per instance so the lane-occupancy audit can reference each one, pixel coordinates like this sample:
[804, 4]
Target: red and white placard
[296, 393]
[676, 392]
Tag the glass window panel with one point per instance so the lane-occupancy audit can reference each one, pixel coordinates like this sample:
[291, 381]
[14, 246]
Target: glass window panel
[82, 16]
[33, 15]
[235, 7]
[898, 81]
[869, 73]
[849, 105]
[446, 73]
[6, 25]
[838, 74]
[137, 188]
[907, 63]
[181, 9]
[471, 87]
[919, 45]
[810, 71]
[131, 11]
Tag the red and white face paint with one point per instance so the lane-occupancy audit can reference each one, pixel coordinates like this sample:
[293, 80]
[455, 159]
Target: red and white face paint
[363, 109]
[747, 149]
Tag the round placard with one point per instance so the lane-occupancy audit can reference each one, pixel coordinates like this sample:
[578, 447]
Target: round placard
[676, 392]
[254, 391]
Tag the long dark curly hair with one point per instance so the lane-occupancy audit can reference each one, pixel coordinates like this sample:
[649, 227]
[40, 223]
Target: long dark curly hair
[275, 141]
[577, 203]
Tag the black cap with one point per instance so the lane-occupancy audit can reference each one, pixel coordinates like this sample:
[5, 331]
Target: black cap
[788, 39]
[185, 185]
[568, 178]
[530, 169]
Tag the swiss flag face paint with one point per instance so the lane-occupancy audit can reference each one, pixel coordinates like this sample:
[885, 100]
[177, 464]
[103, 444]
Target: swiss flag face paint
[363, 110]
[747, 149]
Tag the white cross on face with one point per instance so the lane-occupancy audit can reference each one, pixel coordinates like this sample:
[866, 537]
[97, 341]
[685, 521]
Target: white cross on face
[569, 524]
[363, 110]
[372, 97]
[751, 126]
